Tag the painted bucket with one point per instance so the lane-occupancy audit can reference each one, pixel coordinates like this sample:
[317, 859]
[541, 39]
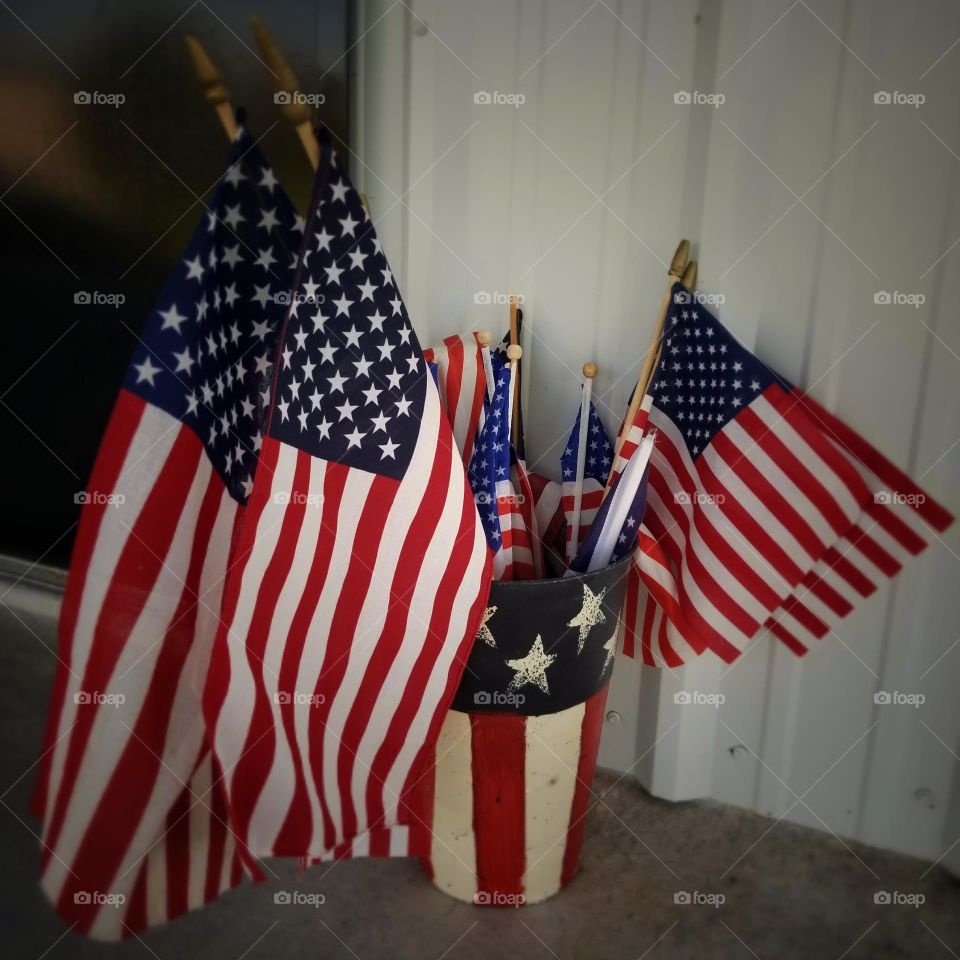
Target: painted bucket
[515, 760]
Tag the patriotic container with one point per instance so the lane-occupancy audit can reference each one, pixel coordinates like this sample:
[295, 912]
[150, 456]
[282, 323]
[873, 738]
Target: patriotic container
[514, 763]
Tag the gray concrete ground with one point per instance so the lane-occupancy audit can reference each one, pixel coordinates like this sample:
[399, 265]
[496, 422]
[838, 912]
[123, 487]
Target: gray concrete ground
[792, 893]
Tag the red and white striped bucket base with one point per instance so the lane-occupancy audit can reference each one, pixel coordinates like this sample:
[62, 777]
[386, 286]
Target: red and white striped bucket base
[511, 794]
[514, 764]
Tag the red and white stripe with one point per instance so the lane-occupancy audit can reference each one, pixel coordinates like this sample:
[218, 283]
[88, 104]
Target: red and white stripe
[514, 560]
[744, 523]
[652, 616]
[462, 381]
[510, 795]
[593, 491]
[346, 623]
[528, 511]
[631, 440]
[128, 800]
[894, 527]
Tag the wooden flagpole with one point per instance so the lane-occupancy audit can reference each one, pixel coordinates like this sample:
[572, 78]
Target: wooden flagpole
[689, 281]
[573, 541]
[515, 384]
[212, 83]
[677, 266]
[297, 111]
[514, 353]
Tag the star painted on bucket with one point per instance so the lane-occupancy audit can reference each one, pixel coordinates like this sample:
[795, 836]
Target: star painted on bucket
[611, 647]
[590, 614]
[532, 668]
[484, 633]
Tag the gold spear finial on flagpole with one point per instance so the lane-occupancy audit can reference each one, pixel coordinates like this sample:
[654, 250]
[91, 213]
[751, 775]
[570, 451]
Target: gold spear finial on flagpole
[212, 83]
[680, 257]
[689, 278]
[285, 83]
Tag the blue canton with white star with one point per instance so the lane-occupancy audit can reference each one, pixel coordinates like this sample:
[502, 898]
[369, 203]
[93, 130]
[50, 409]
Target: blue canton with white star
[599, 452]
[352, 378]
[490, 461]
[705, 377]
[206, 351]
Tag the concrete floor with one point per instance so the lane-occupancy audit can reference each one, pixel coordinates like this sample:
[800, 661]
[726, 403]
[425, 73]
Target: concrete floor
[792, 892]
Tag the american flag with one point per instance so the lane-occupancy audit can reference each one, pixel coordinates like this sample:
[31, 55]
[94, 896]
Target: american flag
[458, 366]
[599, 459]
[774, 515]
[133, 810]
[361, 567]
[505, 508]
[893, 527]
[616, 526]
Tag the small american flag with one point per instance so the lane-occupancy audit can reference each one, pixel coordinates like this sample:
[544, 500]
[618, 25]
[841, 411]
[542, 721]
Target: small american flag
[774, 515]
[361, 568]
[129, 793]
[458, 367]
[599, 459]
[616, 526]
[505, 509]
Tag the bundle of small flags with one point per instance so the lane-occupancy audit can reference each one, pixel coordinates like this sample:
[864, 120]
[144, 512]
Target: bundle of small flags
[748, 510]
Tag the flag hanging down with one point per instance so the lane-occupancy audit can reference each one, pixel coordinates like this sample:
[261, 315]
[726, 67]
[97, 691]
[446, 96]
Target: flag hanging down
[133, 810]
[361, 569]
[462, 383]
[616, 527]
[597, 463]
[765, 504]
[505, 510]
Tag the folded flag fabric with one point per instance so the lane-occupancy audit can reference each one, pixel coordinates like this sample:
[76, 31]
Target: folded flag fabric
[772, 513]
[361, 568]
[652, 615]
[504, 498]
[616, 527]
[130, 796]
[596, 468]
[458, 368]
[631, 439]
[893, 527]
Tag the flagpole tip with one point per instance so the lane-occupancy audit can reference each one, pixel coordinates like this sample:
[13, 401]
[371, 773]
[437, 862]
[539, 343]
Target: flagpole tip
[206, 72]
[285, 82]
[679, 262]
[514, 352]
[484, 337]
[689, 278]
[590, 370]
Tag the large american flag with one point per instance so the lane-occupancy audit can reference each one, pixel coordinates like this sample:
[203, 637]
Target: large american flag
[130, 796]
[361, 567]
[774, 516]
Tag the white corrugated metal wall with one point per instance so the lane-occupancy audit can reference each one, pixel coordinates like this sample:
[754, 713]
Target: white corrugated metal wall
[803, 198]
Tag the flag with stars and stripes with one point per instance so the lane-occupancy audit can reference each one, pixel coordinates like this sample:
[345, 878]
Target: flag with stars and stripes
[599, 459]
[458, 368]
[775, 516]
[504, 504]
[130, 796]
[361, 569]
[615, 529]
